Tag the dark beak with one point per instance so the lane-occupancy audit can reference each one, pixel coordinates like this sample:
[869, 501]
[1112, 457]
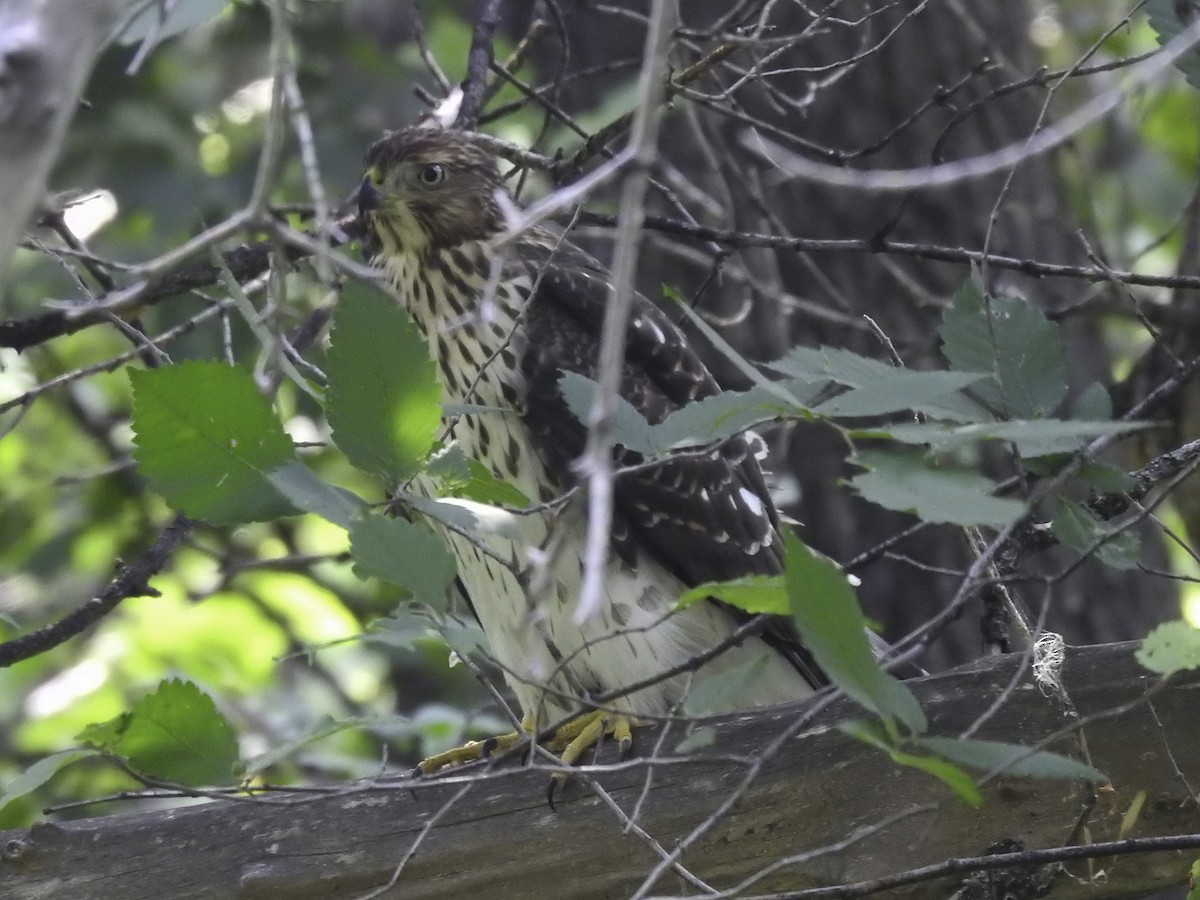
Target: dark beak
[369, 198]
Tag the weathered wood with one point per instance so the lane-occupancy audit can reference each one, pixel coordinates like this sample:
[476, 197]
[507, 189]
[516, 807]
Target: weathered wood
[500, 840]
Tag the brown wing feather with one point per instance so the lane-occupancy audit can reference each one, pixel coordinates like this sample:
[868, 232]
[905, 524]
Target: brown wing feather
[707, 518]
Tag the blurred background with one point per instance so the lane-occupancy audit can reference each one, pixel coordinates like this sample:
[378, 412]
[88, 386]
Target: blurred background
[270, 620]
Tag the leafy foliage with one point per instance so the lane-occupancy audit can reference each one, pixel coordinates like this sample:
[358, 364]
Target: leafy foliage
[1078, 527]
[754, 594]
[1168, 18]
[1014, 342]
[208, 441]
[933, 493]
[714, 692]
[383, 391]
[1007, 377]
[949, 774]
[1171, 647]
[833, 628]
[39, 773]
[1010, 759]
[255, 607]
[172, 734]
[403, 553]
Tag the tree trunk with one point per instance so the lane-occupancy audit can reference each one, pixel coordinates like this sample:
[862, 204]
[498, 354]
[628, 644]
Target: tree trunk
[47, 48]
[891, 61]
[837, 811]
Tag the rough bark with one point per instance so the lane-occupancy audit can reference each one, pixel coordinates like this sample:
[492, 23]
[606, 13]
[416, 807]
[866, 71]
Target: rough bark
[47, 48]
[907, 54]
[501, 840]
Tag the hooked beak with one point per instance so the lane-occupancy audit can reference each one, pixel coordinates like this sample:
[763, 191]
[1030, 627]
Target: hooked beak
[369, 198]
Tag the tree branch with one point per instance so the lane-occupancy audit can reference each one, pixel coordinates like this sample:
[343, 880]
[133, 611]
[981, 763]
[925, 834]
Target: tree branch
[131, 581]
[245, 262]
[836, 812]
[47, 48]
[479, 63]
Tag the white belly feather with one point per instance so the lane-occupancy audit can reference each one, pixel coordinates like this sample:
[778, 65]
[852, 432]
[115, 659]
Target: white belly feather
[523, 572]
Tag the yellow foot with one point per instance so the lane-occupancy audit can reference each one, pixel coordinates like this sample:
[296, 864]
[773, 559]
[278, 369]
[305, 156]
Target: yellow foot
[572, 739]
[473, 750]
[570, 742]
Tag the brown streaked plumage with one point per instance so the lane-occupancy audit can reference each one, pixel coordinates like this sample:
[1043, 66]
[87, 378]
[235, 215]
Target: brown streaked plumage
[504, 324]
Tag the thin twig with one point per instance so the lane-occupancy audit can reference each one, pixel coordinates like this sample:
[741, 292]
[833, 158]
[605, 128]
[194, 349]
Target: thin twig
[131, 581]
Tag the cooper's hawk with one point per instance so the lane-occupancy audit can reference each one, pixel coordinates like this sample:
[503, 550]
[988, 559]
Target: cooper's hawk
[504, 323]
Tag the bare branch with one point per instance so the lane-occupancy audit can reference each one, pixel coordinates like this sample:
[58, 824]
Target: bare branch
[827, 791]
[47, 48]
[131, 581]
[479, 63]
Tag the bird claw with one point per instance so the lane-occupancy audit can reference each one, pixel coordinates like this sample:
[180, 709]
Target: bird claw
[471, 751]
[582, 732]
[569, 742]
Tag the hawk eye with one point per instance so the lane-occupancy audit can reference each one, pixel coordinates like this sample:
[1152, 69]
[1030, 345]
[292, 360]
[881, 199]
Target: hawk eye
[432, 174]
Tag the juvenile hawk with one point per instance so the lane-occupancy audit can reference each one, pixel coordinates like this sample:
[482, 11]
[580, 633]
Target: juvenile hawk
[504, 323]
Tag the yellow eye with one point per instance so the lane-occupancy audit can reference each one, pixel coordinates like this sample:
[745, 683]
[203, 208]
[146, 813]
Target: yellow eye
[374, 176]
[432, 174]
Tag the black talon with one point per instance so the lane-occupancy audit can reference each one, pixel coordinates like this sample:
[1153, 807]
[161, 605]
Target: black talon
[550, 789]
[488, 747]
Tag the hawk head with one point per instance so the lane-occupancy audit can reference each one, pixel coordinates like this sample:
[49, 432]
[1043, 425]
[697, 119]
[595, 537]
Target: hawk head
[428, 187]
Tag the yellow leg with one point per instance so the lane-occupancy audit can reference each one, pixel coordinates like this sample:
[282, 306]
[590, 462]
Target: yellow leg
[582, 732]
[570, 742]
[473, 750]
[572, 739]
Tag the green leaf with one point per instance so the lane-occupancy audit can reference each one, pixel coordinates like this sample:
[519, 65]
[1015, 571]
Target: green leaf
[1032, 438]
[1108, 479]
[719, 691]
[207, 441]
[383, 393]
[1014, 341]
[1081, 529]
[401, 630]
[697, 739]
[1164, 16]
[953, 777]
[629, 427]
[753, 594]
[724, 348]
[966, 343]
[1010, 759]
[405, 554]
[723, 415]
[308, 493]
[1130, 818]
[39, 773]
[466, 515]
[910, 483]
[1171, 647]
[832, 627]
[714, 418]
[824, 364]
[449, 466]
[458, 476]
[1194, 882]
[1094, 404]
[877, 388]
[175, 734]
[904, 389]
[405, 629]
